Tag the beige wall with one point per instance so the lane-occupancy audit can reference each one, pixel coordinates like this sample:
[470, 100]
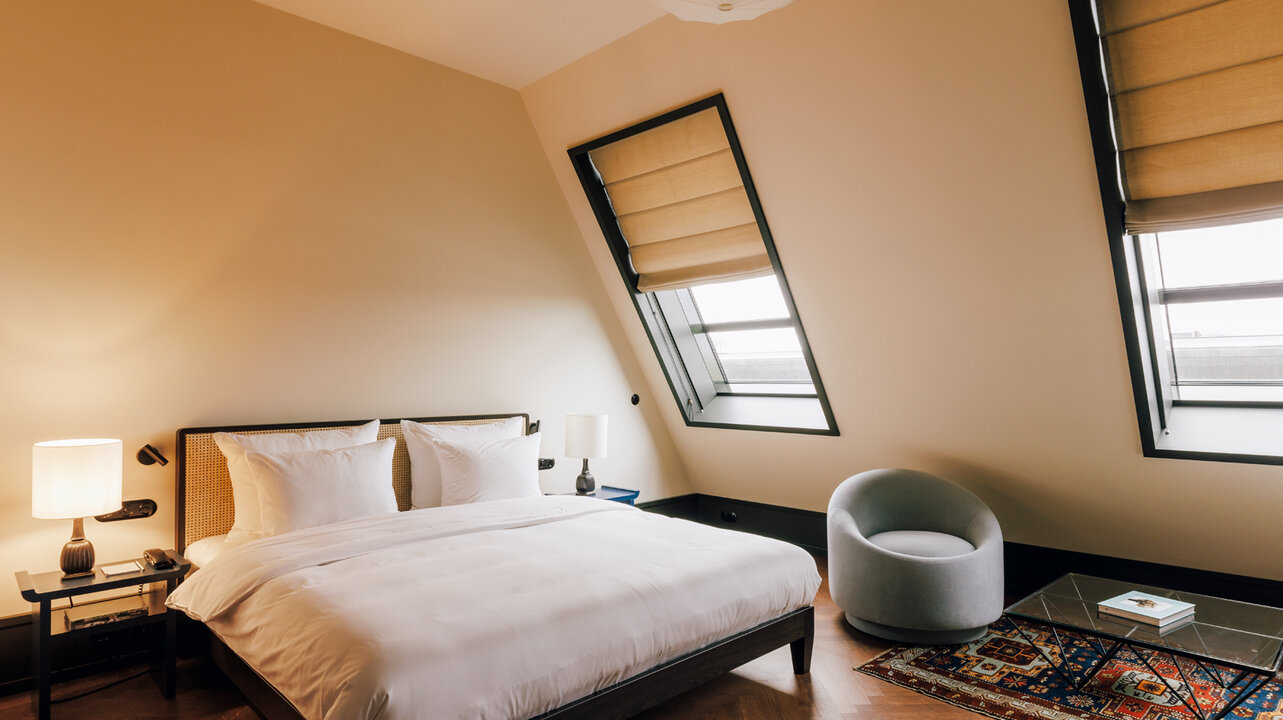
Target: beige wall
[218, 213]
[927, 174]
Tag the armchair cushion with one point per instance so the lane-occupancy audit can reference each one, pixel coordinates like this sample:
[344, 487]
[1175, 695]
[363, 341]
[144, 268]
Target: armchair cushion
[922, 543]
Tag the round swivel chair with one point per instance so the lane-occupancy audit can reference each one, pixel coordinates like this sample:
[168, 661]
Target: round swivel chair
[914, 558]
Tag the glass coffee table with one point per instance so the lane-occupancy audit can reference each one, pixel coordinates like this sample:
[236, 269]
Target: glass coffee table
[1237, 645]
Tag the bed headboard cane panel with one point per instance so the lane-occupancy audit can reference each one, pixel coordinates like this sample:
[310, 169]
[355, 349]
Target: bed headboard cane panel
[204, 490]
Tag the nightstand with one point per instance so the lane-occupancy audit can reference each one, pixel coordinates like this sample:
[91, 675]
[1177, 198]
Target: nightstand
[48, 624]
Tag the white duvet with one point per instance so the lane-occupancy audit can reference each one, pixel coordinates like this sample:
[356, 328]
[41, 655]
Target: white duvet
[502, 609]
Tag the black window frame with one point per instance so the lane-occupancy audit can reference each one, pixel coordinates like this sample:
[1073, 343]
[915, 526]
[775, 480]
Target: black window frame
[667, 339]
[1135, 261]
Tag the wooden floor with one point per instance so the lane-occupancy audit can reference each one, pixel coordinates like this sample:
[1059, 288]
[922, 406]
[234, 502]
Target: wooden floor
[765, 688]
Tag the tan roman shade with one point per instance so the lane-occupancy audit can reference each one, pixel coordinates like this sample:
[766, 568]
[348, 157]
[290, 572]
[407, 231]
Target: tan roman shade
[681, 204]
[1197, 89]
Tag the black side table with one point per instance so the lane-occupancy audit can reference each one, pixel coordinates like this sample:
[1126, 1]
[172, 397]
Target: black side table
[47, 624]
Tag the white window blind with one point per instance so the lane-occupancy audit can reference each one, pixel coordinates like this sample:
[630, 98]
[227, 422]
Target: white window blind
[1197, 94]
[681, 204]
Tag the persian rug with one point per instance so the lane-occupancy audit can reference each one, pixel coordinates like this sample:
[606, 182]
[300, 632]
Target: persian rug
[1002, 676]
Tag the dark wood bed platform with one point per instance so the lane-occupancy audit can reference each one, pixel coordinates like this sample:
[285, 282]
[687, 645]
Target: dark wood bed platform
[204, 508]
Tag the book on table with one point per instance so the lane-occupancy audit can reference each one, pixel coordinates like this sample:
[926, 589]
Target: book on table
[1145, 608]
[126, 567]
[103, 612]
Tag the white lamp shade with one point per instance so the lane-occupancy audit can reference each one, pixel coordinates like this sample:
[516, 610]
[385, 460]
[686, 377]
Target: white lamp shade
[586, 436]
[75, 478]
[718, 11]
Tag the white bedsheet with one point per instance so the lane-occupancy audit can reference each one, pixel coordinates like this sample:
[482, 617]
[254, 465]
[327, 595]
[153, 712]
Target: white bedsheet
[202, 552]
[503, 609]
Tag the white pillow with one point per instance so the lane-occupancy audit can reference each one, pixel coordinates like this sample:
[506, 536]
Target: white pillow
[247, 525]
[425, 469]
[489, 469]
[299, 490]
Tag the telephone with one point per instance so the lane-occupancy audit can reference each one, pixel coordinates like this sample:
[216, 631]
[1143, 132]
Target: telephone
[158, 559]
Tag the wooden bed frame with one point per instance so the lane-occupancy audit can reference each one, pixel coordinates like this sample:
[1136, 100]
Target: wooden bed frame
[204, 508]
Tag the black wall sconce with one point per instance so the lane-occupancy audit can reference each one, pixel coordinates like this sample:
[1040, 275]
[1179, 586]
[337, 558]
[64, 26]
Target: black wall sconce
[149, 455]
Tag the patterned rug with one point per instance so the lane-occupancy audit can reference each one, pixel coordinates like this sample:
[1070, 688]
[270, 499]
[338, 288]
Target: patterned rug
[1002, 676]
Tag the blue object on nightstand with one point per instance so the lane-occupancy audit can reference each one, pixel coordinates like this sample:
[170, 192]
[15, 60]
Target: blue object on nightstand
[606, 492]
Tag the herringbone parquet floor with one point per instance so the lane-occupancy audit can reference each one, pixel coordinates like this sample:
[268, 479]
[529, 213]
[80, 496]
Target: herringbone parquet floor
[764, 689]
[767, 688]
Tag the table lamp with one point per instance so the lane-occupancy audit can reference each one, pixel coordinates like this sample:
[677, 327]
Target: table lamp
[585, 438]
[71, 479]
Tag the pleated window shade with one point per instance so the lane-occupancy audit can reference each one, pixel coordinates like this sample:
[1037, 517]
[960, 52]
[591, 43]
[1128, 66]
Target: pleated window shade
[681, 204]
[1197, 90]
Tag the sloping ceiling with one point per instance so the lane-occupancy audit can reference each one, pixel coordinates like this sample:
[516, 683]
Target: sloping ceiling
[510, 42]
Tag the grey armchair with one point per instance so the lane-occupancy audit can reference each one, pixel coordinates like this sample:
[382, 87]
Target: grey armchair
[914, 558]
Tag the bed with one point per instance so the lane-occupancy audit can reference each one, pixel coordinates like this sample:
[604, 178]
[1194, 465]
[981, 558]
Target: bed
[556, 607]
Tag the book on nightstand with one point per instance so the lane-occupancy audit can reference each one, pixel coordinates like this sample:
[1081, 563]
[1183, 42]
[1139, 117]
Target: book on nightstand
[1145, 608]
[105, 611]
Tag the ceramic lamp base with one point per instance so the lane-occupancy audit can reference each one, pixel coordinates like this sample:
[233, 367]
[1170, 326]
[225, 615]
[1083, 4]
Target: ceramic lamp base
[78, 554]
[585, 484]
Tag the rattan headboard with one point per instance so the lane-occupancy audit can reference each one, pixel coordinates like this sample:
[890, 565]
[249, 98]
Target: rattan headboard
[204, 491]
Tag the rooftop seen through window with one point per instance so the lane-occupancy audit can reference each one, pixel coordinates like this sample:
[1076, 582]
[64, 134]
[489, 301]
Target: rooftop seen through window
[751, 338]
[1223, 295]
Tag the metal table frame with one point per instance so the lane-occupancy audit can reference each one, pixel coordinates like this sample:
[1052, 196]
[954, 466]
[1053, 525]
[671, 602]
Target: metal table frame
[1243, 682]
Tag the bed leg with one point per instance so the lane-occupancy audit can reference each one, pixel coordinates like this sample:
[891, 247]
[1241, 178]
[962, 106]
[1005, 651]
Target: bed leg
[801, 648]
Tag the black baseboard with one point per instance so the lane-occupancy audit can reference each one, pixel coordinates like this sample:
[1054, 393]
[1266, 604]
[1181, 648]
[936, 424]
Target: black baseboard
[15, 654]
[800, 527]
[685, 507]
[1028, 567]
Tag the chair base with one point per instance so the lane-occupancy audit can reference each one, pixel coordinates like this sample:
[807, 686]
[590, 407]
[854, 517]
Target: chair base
[917, 637]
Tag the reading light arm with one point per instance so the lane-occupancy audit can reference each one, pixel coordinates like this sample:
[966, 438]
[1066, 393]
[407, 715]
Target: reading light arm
[130, 510]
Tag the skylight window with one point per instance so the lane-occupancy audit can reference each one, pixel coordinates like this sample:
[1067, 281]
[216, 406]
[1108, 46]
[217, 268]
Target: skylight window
[1181, 99]
[677, 207]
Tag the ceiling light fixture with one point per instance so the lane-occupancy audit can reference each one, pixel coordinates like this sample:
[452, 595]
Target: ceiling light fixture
[718, 11]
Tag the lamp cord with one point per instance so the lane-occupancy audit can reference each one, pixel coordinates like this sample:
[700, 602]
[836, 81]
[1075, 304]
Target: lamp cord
[118, 658]
[97, 689]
